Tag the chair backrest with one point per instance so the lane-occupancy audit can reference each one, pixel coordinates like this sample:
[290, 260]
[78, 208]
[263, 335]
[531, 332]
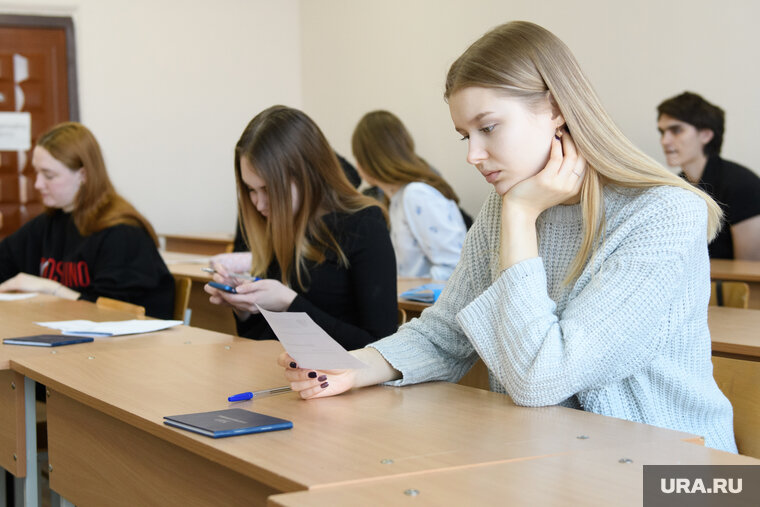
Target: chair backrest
[401, 317]
[182, 286]
[115, 304]
[740, 382]
[733, 294]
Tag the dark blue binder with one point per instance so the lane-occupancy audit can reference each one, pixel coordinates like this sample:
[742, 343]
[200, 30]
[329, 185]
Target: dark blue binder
[227, 423]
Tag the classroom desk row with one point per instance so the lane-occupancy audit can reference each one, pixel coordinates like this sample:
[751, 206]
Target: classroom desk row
[218, 318]
[107, 444]
[739, 271]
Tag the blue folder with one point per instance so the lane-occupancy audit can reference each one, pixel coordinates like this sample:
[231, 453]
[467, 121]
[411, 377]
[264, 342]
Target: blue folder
[427, 293]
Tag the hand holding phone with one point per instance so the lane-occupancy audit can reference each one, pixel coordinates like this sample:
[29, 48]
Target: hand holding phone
[223, 287]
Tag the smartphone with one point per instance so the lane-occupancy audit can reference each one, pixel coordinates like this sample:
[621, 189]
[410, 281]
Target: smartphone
[221, 286]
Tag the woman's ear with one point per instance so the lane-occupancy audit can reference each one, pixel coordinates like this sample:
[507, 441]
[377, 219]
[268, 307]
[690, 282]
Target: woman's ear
[559, 120]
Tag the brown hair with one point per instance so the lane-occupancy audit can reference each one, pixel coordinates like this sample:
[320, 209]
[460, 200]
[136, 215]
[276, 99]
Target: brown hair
[384, 150]
[97, 206]
[696, 111]
[528, 62]
[284, 146]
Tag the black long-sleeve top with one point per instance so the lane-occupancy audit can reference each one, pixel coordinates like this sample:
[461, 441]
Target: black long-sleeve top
[119, 262]
[355, 305]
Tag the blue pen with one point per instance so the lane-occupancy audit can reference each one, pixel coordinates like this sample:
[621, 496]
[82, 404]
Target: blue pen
[248, 396]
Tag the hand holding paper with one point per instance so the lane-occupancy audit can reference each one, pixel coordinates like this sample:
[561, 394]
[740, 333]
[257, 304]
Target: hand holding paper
[308, 343]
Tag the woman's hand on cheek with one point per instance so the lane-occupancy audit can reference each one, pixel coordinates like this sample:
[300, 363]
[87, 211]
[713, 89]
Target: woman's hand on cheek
[559, 181]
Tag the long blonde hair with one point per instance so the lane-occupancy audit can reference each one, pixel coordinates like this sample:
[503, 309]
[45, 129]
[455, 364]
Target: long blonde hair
[284, 146]
[384, 150]
[528, 62]
[97, 205]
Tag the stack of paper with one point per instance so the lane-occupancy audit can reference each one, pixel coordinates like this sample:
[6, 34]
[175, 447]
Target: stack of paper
[115, 328]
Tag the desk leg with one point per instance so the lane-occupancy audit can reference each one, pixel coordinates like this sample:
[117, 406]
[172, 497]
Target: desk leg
[30, 423]
[57, 500]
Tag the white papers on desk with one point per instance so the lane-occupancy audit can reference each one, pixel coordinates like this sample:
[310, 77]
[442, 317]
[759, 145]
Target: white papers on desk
[114, 328]
[308, 343]
[15, 296]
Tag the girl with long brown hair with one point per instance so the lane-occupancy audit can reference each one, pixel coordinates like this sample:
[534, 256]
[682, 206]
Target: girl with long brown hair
[318, 245]
[584, 281]
[427, 228]
[90, 241]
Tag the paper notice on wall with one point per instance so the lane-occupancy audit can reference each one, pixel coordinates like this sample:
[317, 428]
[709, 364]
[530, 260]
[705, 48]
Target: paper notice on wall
[15, 131]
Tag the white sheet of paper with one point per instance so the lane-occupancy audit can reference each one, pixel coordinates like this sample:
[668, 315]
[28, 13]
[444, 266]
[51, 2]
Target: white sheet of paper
[15, 296]
[114, 328]
[15, 131]
[308, 343]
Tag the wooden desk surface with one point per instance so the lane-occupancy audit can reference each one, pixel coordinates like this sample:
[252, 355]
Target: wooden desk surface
[735, 332]
[334, 441]
[727, 269]
[589, 478]
[18, 319]
[205, 244]
[192, 270]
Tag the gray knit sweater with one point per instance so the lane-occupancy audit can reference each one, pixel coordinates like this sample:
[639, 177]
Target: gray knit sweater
[627, 339]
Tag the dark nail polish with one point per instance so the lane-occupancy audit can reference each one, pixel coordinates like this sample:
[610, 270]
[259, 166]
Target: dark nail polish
[557, 138]
[322, 378]
[312, 374]
[324, 385]
[293, 365]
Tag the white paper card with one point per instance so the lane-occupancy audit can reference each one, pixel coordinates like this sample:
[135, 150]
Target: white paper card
[114, 328]
[308, 343]
[15, 131]
[15, 296]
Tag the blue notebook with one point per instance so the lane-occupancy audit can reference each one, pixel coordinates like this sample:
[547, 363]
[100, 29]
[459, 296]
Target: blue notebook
[47, 340]
[227, 423]
[427, 293]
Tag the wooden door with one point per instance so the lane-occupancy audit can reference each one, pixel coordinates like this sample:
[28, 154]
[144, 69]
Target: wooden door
[34, 77]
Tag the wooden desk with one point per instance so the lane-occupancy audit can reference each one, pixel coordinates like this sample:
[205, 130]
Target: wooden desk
[735, 332]
[107, 443]
[218, 318]
[203, 314]
[17, 393]
[739, 271]
[204, 244]
[589, 478]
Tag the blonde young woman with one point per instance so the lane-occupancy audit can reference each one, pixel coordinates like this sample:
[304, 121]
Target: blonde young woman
[90, 241]
[427, 228]
[585, 279]
[319, 246]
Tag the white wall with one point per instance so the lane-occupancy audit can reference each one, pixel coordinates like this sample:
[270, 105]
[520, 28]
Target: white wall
[167, 86]
[394, 54]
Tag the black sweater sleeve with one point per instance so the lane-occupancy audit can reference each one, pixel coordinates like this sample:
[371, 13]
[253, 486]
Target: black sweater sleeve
[128, 267]
[355, 306]
[21, 251]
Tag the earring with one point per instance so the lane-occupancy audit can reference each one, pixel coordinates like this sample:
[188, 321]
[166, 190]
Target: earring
[558, 133]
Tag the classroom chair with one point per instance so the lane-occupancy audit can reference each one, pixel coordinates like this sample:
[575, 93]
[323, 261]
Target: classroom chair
[182, 287]
[477, 376]
[733, 294]
[115, 304]
[740, 381]
[401, 317]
